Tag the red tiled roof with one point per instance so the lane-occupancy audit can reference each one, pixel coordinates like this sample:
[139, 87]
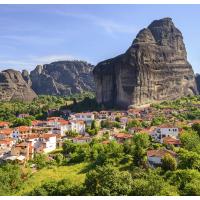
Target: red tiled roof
[35, 122]
[170, 140]
[24, 128]
[160, 153]
[166, 126]
[6, 131]
[106, 142]
[46, 136]
[122, 135]
[4, 123]
[6, 141]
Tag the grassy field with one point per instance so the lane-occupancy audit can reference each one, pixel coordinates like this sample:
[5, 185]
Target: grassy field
[73, 172]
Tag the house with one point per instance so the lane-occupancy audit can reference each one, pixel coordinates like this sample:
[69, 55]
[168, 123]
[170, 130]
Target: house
[4, 125]
[124, 120]
[6, 143]
[86, 117]
[121, 137]
[82, 139]
[62, 128]
[23, 115]
[22, 149]
[47, 143]
[21, 132]
[103, 114]
[77, 126]
[53, 121]
[6, 133]
[164, 131]
[171, 141]
[155, 156]
[36, 123]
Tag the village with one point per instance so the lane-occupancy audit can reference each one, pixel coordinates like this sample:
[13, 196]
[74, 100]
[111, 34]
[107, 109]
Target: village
[20, 144]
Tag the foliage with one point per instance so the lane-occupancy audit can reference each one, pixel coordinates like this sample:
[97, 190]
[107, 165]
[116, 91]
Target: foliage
[189, 160]
[169, 163]
[10, 178]
[21, 122]
[107, 180]
[190, 140]
[58, 188]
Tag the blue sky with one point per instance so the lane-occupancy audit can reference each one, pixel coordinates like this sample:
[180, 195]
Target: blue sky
[39, 34]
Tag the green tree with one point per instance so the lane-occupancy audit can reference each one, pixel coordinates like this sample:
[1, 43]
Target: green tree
[169, 163]
[196, 127]
[189, 160]
[140, 144]
[107, 181]
[10, 178]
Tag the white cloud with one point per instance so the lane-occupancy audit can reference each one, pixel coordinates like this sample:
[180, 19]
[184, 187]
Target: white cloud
[108, 25]
[30, 62]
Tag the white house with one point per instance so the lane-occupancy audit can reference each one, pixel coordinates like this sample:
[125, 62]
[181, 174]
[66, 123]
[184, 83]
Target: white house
[77, 126]
[49, 142]
[86, 117]
[62, 127]
[164, 131]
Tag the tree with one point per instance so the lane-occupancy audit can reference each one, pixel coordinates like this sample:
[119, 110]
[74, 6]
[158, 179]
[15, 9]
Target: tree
[190, 140]
[140, 145]
[21, 122]
[181, 178]
[68, 147]
[192, 188]
[196, 127]
[133, 123]
[189, 160]
[157, 121]
[59, 158]
[10, 178]
[169, 163]
[151, 183]
[71, 134]
[40, 160]
[107, 181]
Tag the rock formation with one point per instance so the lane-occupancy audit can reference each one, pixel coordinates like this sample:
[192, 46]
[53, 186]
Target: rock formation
[62, 78]
[14, 87]
[198, 82]
[154, 68]
[26, 77]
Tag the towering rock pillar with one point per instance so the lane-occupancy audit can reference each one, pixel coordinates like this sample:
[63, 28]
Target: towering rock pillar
[154, 68]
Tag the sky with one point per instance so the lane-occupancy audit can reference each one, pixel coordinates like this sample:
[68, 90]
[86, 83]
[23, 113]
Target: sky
[40, 34]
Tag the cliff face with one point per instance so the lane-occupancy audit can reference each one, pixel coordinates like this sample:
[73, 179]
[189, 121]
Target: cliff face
[154, 68]
[198, 82]
[62, 78]
[14, 87]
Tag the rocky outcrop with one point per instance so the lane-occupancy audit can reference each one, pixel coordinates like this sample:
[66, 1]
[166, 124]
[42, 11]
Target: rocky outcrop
[26, 77]
[62, 78]
[13, 87]
[198, 82]
[154, 68]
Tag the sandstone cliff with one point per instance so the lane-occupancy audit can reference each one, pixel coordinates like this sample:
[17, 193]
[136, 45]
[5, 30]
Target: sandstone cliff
[154, 68]
[14, 87]
[62, 78]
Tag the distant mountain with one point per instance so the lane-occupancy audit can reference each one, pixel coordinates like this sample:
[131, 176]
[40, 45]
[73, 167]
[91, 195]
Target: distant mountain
[14, 87]
[61, 78]
[57, 78]
[154, 68]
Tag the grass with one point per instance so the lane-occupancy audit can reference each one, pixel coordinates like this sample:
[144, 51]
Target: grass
[72, 172]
